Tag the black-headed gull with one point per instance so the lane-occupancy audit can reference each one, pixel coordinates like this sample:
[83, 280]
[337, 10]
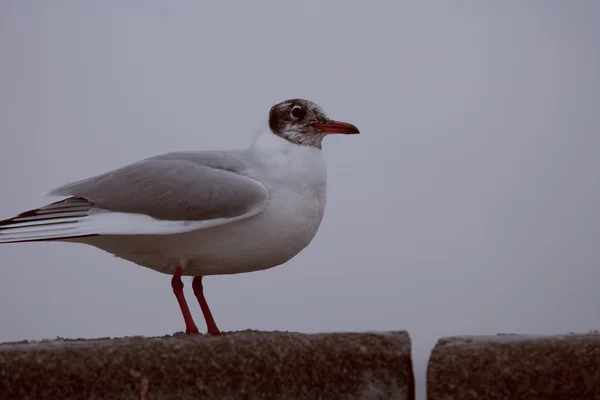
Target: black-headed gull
[201, 213]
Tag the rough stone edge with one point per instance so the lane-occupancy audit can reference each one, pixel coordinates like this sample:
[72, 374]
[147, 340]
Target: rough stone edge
[509, 338]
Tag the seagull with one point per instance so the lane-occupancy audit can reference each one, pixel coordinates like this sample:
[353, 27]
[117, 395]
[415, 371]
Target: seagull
[200, 213]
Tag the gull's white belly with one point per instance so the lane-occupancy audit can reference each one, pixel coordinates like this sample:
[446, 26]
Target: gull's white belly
[264, 241]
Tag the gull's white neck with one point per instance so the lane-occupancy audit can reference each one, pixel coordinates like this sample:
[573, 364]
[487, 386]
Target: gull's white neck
[265, 141]
[283, 156]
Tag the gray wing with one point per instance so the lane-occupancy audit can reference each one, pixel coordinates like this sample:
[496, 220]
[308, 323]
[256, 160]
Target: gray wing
[181, 186]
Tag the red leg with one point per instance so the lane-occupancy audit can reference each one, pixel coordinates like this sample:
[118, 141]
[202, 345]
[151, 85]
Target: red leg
[199, 292]
[190, 326]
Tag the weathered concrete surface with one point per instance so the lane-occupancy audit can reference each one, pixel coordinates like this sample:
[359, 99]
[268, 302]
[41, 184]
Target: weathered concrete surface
[515, 367]
[241, 365]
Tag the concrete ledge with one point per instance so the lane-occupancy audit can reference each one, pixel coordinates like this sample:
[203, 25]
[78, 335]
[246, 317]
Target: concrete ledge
[515, 367]
[245, 365]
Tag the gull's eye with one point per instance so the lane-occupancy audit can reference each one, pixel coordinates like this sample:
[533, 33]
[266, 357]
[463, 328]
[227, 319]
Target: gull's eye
[298, 112]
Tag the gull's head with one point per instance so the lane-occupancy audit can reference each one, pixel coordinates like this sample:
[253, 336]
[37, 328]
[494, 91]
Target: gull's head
[305, 123]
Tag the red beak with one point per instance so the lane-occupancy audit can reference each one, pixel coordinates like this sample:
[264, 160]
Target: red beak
[337, 127]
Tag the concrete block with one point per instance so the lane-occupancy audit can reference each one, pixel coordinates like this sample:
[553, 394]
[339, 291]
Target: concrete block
[512, 367]
[240, 365]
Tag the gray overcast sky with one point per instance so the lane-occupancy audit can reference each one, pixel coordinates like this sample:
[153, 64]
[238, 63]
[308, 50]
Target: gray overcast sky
[469, 204]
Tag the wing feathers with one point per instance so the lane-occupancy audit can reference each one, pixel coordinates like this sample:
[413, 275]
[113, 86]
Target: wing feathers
[56, 220]
[172, 189]
[170, 194]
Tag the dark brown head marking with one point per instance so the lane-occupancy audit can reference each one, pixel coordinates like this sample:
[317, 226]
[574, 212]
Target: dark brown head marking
[293, 120]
